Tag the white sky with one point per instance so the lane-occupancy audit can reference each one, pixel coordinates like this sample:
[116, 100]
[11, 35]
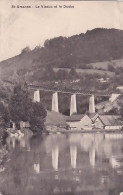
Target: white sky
[31, 27]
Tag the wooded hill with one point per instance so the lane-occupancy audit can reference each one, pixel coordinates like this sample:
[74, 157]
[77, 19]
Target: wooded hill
[97, 45]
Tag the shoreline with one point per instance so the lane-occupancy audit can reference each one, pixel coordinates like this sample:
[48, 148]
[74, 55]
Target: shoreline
[3, 158]
[85, 131]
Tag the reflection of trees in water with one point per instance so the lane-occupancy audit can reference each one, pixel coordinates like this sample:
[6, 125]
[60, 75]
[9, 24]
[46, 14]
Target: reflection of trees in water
[23, 142]
[10, 142]
[17, 174]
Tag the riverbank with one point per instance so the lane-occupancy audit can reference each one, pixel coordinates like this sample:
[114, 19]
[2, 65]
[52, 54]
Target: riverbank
[85, 131]
[3, 158]
[3, 151]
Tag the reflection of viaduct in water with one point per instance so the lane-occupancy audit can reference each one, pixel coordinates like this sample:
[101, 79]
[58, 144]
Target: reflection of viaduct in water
[55, 157]
[73, 157]
[94, 145]
[73, 148]
[72, 164]
[73, 103]
[77, 148]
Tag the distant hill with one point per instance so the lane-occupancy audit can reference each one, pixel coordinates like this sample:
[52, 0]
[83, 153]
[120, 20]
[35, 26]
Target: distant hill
[97, 45]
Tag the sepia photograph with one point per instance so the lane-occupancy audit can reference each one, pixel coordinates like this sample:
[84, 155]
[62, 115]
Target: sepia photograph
[61, 97]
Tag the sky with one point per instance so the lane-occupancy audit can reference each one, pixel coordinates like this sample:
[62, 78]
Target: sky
[21, 27]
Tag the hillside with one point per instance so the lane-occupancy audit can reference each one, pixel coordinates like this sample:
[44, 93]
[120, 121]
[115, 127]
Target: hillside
[112, 107]
[77, 63]
[104, 65]
[98, 45]
[87, 71]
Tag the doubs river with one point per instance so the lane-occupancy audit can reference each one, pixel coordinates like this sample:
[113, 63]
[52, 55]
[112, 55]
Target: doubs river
[64, 164]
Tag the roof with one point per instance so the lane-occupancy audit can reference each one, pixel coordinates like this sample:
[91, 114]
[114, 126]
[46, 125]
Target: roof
[75, 117]
[93, 116]
[55, 118]
[109, 120]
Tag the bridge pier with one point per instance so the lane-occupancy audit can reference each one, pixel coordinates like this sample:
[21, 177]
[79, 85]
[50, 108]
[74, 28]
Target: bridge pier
[91, 104]
[73, 107]
[37, 96]
[55, 102]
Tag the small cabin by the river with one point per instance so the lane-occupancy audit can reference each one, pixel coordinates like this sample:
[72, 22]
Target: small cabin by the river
[79, 122]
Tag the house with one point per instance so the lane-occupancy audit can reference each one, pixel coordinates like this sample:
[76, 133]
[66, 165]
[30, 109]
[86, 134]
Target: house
[79, 122]
[24, 124]
[102, 80]
[108, 122]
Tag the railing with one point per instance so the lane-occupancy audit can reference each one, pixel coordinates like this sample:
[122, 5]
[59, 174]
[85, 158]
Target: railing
[67, 91]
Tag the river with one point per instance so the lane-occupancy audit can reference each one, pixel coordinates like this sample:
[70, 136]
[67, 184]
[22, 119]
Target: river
[64, 164]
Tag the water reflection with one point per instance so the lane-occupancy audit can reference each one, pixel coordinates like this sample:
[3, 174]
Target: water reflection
[92, 154]
[64, 164]
[73, 140]
[23, 141]
[55, 156]
[73, 155]
[37, 167]
[11, 142]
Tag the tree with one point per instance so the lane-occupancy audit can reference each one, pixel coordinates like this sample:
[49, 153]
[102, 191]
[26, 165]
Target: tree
[111, 68]
[62, 74]
[49, 73]
[37, 117]
[73, 73]
[121, 106]
[121, 111]
[22, 108]
[20, 105]
[4, 114]
[25, 50]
